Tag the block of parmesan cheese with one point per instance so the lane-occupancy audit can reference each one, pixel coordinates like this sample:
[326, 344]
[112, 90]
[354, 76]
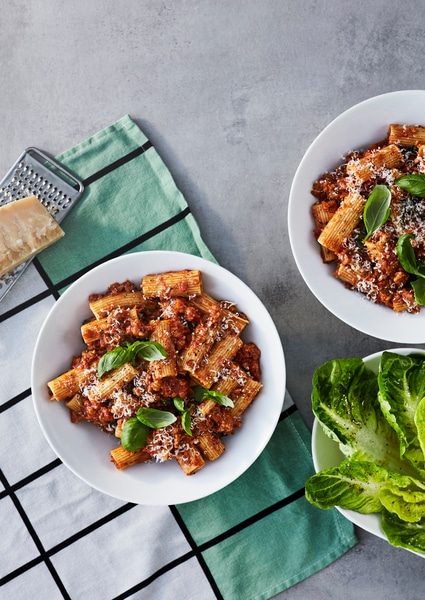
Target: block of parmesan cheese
[26, 228]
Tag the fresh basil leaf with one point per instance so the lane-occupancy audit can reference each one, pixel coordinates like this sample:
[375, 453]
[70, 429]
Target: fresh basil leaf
[198, 391]
[185, 412]
[152, 417]
[112, 360]
[407, 257]
[413, 183]
[129, 352]
[134, 435]
[179, 404]
[406, 254]
[186, 421]
[377, 209]
[147, 351]
[419, 290]
[218, 397]
[200, 394]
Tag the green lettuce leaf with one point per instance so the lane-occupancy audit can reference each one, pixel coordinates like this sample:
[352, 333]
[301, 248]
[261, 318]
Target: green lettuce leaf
[345, 401]
[401, 395]
[404, 496]
[366, 488]
[420, 424]
[353, 485]
[402, 533]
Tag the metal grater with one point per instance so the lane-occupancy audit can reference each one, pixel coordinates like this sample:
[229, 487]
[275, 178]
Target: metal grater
[35, 173]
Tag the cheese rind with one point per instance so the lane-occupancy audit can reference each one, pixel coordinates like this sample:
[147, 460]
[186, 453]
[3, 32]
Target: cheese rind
[26, 228]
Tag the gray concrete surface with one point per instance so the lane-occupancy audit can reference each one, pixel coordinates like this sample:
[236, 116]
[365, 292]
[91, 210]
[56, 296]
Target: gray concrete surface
[231, 92]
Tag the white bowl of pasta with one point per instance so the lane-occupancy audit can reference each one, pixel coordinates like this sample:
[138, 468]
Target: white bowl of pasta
[370, 286]
[103, 412]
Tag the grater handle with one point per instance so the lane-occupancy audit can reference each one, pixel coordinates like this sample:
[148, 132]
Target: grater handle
[38, 154]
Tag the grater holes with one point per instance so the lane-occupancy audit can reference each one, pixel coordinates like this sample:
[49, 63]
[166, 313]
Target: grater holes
[29, 179]
[27, 172]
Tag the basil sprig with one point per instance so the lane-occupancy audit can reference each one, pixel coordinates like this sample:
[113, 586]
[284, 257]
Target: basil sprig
[409, 262]
[414, 183]
[406, 255]
[202, 394]
[128, 352]
[136, 430]
[185, 413]
[377, 209]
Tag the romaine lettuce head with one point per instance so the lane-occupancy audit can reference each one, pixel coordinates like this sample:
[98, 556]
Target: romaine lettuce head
[345, 401]
[401, 395]
[379, 423]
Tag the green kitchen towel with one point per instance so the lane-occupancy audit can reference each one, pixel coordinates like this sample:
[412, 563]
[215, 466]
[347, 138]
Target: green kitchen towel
[130, 203]
[259, 535]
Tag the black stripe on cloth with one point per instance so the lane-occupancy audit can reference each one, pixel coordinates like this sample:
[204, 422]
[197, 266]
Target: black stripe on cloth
[254, 519]
[52, 289]
[46, 554]
[197, 552]
[43, 555]
[9, 403]
[24, 305]
[287, 412]
[164, 569]
[21, 570]
[32, 477]
[92, 527]
[118, 163]
[125, 248]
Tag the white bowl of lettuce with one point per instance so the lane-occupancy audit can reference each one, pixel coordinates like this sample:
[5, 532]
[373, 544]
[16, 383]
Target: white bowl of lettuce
[368, 444]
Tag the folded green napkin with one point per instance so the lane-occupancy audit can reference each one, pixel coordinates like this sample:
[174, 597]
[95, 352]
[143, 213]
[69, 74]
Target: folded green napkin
[130, 203]
[259, 535]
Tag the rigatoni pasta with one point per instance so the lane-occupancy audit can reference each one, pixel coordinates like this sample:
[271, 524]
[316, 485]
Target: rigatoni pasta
[164, 371]
[369, 216]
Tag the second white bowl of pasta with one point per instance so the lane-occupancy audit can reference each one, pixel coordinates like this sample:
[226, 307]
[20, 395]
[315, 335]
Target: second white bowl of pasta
[353, 239]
